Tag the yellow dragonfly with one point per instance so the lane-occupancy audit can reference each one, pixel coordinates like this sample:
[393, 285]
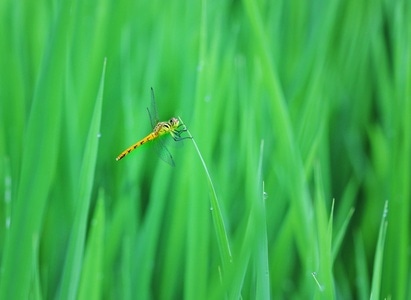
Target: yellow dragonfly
[172, 127]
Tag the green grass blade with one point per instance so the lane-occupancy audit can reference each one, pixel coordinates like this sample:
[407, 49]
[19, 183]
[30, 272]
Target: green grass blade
[38, 164]
[379, 255]
[222, 238]
[36, 292]
[92, 272]
[284, 131]
[339, 236]
[198, 243]
[261, 253]
[74, 259]
[324, 231]
[346, 211]
[148, 238]
[362, 277]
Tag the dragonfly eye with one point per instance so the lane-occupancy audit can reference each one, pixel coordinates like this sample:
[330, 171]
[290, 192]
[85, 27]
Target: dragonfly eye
[174, 121]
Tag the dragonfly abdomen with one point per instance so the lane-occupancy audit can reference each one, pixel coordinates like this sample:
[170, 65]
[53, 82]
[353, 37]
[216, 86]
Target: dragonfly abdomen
[148, 138]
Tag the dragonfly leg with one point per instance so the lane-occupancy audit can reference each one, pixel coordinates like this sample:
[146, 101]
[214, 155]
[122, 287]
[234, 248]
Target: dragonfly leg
[176, 134]
[180, 138]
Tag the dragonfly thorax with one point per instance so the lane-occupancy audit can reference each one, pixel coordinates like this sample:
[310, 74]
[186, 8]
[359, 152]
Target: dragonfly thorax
[166, 127]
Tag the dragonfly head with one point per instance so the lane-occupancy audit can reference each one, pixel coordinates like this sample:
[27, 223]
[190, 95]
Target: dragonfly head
[174, 122]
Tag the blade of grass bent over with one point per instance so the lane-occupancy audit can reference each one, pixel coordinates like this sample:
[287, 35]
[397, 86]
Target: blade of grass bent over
[222, 238]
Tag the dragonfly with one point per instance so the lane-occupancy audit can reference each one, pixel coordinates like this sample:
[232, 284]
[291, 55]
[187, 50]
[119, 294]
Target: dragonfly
[173, 127]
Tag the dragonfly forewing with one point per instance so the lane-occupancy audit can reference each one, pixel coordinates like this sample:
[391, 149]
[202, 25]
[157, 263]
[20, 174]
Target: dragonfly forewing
[152, 112]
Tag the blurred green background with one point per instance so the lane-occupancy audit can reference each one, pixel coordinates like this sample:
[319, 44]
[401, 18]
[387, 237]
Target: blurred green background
[300, 110]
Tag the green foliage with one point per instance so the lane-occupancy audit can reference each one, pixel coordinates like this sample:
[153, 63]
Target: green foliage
[300, 118]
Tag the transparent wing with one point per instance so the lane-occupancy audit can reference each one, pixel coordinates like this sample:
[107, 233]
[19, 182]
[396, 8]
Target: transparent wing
[152, 111]
[159, 145]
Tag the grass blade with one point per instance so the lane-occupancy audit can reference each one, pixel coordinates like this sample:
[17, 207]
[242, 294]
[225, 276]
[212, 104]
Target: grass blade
[361, 267]
[261, 257]
[222, 238]
[379, 254]
[38, 165]
[74, 259]
[324, 231]
[91, 279]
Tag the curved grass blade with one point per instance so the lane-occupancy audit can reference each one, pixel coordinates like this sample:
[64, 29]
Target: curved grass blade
[221, 233]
